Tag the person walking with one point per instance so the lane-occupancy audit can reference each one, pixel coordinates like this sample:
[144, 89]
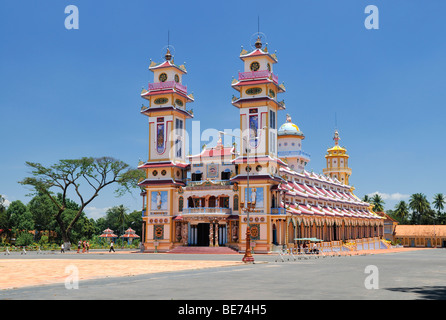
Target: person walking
[111, 247]
[84, 246]
[79, 246]
[62, 248]
[88, 246]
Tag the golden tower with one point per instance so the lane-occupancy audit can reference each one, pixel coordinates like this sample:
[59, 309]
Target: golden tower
[337, 162]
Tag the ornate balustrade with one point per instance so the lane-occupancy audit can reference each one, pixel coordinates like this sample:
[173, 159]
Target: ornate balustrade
[167, 85]
[258, 75]
[206, 210]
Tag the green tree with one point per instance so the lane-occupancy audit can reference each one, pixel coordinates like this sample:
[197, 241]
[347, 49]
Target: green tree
[115, 218]
[6, 224]
[66, 175]
[378, 203]
[134, 221]
[367, 198]
[439, 202]
[420, 206]
[43, 211]
[401, 212]
[21, 217]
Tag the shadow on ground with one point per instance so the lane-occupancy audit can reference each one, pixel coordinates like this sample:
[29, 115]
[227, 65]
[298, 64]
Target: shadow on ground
[426, 292]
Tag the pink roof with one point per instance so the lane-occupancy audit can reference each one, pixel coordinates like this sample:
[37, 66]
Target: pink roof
[165, 164]
[305, 209]
[258, 52]
[167, 64]
[215, 152]
[316, 210]
[328, 211]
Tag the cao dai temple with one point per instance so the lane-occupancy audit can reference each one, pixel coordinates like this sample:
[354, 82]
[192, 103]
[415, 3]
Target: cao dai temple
[203, 199]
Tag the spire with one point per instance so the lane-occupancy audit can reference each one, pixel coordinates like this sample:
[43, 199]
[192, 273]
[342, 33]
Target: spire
[168, 55]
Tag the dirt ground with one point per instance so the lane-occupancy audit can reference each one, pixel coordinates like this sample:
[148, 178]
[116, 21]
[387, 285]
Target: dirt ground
[16, 273]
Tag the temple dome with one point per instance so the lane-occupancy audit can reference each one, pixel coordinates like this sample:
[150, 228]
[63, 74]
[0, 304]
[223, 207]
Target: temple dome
[289, 128]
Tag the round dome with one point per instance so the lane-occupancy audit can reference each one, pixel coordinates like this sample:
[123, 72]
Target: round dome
[289, 128]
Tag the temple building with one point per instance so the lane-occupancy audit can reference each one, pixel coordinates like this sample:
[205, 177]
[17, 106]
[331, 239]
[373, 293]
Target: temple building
[210, 199]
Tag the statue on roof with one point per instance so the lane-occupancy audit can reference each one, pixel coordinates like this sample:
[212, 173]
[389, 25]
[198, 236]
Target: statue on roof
[288, 118]
[336, 137]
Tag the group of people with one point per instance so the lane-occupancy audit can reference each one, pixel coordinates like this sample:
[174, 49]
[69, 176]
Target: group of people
[310, 248]
[85, 246]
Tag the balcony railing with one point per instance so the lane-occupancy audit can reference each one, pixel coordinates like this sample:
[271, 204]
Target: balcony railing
[167, 85]
[278, 211]
[217, 183]
[207, 210]
[258, 75]
[294, 153]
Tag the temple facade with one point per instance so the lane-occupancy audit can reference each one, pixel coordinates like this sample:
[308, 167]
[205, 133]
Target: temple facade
[260, 182]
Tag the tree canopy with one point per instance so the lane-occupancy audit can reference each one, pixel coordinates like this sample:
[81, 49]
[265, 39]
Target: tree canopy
[69, 175]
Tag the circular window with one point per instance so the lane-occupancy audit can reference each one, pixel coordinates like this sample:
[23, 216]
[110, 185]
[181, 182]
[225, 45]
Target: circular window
[248, 169]
[163, 172]
[163, 77]
[255, 66]
[252, 91]
[161, 101]
[179, 102]
[268, 66]
[155, 173]
[178, 173]
[259, 168]
[177, 78]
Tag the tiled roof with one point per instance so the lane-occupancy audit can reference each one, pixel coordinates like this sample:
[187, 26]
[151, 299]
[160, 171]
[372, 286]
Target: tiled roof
[420, 231]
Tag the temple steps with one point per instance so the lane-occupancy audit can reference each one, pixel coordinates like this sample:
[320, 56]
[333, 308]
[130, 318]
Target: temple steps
[203, 250]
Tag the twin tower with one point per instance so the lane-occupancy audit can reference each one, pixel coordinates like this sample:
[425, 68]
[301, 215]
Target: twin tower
[262, 144]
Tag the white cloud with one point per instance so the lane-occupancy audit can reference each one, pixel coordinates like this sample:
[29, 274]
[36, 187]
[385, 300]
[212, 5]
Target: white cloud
[95, 213]
[6, 203]
[394, 196]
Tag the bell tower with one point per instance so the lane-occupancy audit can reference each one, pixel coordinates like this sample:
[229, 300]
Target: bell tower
[258, 163]
[167, 98]
[166, 167]
[337, 162]
[258, 88]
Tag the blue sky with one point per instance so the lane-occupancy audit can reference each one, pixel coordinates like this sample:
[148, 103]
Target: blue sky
[73, 93]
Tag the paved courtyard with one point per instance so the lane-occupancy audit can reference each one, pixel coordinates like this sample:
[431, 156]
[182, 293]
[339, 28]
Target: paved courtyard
[406, 274]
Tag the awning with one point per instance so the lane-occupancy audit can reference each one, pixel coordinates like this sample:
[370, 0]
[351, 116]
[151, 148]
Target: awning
[308, 239]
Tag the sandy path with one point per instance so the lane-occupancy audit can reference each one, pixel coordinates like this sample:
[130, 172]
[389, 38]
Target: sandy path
[21, 273]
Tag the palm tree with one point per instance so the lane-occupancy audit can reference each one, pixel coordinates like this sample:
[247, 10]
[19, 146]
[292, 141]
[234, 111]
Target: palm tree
[366, 198]
[122, 216]
[378, 203]
[439, 202]
[402, 212]
[420, 206]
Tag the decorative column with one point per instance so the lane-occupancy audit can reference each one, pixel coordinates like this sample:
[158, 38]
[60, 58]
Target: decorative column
[211, 234]
[216, 234]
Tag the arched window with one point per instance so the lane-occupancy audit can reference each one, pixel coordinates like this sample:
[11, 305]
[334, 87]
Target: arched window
[180, 204]
[235, 204]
